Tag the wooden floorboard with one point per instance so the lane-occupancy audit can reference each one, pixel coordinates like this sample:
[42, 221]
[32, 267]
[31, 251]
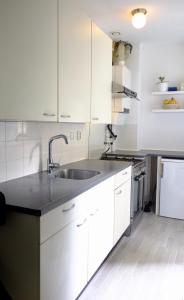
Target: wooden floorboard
[148, 265]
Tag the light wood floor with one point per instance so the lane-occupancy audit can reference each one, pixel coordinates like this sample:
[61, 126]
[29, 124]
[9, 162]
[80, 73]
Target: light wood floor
[149, 265]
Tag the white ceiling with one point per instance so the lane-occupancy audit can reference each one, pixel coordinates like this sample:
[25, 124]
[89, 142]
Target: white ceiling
[165, 19]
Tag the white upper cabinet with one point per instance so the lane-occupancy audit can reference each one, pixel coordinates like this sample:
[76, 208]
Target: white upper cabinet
[74, 62]
[28, 60]
[101, 106]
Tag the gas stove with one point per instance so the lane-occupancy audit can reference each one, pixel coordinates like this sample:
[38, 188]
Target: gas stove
[139, 182]
[112, 156]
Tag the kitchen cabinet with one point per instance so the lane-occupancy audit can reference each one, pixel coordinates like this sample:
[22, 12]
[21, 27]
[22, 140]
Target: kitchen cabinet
[28, 60]
[49, 51]
[74, 62]
[74, 253]
[54, 256]
[101, 221]
[64, 250]
[101, 94]
[64, 262]
[122, 205]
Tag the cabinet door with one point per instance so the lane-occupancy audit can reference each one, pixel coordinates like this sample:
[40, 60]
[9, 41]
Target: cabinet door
[64, 262]
[122, 210]
[101, 106]
[101, 218]
[74, 62]
[28, 60]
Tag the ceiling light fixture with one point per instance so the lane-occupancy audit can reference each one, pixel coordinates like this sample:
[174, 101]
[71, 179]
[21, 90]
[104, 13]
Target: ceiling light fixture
[139, 17]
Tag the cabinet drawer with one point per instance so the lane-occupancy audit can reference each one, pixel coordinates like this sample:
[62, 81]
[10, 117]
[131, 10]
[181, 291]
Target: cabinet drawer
[59, 217]
[122, 177]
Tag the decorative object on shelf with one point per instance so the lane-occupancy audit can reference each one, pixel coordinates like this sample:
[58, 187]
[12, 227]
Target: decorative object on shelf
[139, 17]
[162, 84]
[172, 88]
[170, 104]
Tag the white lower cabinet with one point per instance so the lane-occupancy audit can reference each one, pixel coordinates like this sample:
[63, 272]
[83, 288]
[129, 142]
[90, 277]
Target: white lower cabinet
[121, 209]
[81, 234]
[64, 262]
[101, 221]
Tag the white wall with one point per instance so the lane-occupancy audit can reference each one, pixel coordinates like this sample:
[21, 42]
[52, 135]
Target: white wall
[24, 146]
[160, 131]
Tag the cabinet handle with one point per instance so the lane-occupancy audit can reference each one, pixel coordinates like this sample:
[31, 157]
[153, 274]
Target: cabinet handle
[125, 173]
[94, 213]
[84, 221]
[95, 119]
[119, 192]
[49, 114]
[68, 209]
[65, 116]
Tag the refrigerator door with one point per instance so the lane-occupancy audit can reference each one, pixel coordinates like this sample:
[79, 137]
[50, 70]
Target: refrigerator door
[172, 189]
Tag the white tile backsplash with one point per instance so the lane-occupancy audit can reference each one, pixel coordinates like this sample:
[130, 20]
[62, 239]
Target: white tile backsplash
[14, 150]
[15, 169]
[13, 131]
[32, 165]
[2, 171]
[2, 131]
[24, 146]
[2, 151]
[96, 140]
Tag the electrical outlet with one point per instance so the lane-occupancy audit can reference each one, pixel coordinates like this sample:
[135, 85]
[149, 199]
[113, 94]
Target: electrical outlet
[72, 136]
[79, 135]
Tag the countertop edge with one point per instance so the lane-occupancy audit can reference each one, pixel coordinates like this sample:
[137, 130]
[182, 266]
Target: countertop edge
[45, 209]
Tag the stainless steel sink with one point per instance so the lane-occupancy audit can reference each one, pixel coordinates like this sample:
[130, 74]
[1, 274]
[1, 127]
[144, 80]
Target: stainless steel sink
[75, 174]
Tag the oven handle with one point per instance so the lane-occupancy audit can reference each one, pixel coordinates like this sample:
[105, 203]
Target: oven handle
[140, 177]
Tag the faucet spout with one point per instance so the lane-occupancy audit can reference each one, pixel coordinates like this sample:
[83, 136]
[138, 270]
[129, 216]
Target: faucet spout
[51, 164]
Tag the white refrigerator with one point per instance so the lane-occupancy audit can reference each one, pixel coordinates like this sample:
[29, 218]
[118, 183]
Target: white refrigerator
[172, 188]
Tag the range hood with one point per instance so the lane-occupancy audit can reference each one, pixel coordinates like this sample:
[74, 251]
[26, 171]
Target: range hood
[119, 91]
[122, 94]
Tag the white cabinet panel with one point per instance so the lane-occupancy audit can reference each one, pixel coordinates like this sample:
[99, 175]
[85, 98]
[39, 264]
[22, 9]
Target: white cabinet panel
[101, 218]
[74, 62]
[64, 262]
[101, 105]
[122, 177]
[58, 218]
[28, 60]
[122, 210]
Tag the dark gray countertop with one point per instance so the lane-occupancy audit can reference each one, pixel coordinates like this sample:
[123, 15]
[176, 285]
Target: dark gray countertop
[145, 152]
[39, 193]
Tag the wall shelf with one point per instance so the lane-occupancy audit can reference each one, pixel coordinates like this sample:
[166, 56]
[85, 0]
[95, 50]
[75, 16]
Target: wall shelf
[178, 110]
[168, 93]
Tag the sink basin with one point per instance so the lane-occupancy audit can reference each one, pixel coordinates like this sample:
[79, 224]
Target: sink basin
[75, 174]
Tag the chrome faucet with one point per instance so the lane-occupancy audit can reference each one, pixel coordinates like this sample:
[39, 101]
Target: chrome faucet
[51, 164]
